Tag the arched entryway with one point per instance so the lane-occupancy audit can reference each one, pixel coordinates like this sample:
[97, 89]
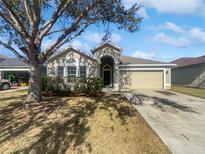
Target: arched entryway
[107, 63]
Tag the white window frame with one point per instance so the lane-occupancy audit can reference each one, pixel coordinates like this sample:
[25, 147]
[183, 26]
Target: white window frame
[73, 64]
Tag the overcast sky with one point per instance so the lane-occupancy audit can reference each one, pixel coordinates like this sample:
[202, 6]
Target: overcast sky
[170, 29]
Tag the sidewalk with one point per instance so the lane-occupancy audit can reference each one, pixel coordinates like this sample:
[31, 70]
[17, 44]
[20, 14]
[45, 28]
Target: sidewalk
[12, 90]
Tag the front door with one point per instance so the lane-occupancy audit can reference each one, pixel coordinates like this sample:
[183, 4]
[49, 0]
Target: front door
[107, 77]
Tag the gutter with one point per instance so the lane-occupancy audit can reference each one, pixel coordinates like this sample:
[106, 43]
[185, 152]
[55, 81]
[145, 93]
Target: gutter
[134, 65]
[14, 69]
[15, 66]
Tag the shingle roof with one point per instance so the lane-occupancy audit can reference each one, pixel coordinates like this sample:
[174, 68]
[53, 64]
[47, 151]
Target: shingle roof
[14, 62]
[133, 60]
[2, 57]
[181, 62]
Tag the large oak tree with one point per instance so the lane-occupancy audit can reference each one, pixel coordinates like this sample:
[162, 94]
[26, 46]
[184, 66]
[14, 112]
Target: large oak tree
[24, 24]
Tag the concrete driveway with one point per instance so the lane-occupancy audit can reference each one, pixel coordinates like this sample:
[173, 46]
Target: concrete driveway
[178, 119]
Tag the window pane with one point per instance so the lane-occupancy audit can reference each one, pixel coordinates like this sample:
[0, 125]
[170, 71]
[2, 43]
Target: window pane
[73, 69]
[83, 70]
[68, 69]
[71, 74]
[60, 70]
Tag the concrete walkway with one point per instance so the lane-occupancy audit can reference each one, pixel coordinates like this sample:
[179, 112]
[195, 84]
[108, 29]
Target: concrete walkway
[178, 119]
[12, 90]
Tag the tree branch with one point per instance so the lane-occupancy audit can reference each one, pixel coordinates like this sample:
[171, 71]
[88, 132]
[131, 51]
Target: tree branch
[46, 28]
[49, 53]
[28, 11]
[36, 18]
[74, 26]
[14, 51]
[75, 35]
[16, 20]
[9, 21]
[55, 31]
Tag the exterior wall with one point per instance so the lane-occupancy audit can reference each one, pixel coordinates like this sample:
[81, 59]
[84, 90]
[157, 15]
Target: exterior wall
[80, 60]
[168, 78]
[193, 75]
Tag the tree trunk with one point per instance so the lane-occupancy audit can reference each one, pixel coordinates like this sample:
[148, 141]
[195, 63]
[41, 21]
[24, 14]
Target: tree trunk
[34, 89]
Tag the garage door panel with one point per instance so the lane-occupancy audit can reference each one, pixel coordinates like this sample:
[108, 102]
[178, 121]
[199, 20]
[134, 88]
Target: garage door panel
[142, 79]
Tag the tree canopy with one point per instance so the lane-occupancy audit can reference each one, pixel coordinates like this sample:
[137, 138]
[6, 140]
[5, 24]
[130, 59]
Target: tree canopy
[25, 23]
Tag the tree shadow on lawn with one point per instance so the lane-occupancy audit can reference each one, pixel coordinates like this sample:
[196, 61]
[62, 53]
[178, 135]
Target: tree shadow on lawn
[162, 102]
[123, 111]
[57, 134]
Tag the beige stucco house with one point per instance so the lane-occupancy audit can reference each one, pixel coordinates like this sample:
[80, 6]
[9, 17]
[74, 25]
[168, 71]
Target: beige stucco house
[118, 72]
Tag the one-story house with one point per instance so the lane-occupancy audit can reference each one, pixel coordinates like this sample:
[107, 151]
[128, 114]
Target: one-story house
[189, 72]
[117, 71]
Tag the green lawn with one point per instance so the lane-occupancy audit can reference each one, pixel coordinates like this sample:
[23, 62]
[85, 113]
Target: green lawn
[198, 92]
[81, 124]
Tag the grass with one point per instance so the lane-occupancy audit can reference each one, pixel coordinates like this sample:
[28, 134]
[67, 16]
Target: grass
[198, 92]
[10, 98]
[80, 124]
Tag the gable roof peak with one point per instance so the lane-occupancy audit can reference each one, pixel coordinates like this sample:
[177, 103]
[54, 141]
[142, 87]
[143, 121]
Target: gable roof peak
[69, 49]
[106, 44]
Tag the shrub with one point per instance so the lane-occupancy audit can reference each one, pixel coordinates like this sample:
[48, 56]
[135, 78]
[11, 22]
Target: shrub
[94, 85]
[59, 87]
[45, 82]
[56, 85]
[81, 86]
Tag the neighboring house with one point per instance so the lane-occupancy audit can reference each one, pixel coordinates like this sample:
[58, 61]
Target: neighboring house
[14, 70]
[118, 72]
[189, 72]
